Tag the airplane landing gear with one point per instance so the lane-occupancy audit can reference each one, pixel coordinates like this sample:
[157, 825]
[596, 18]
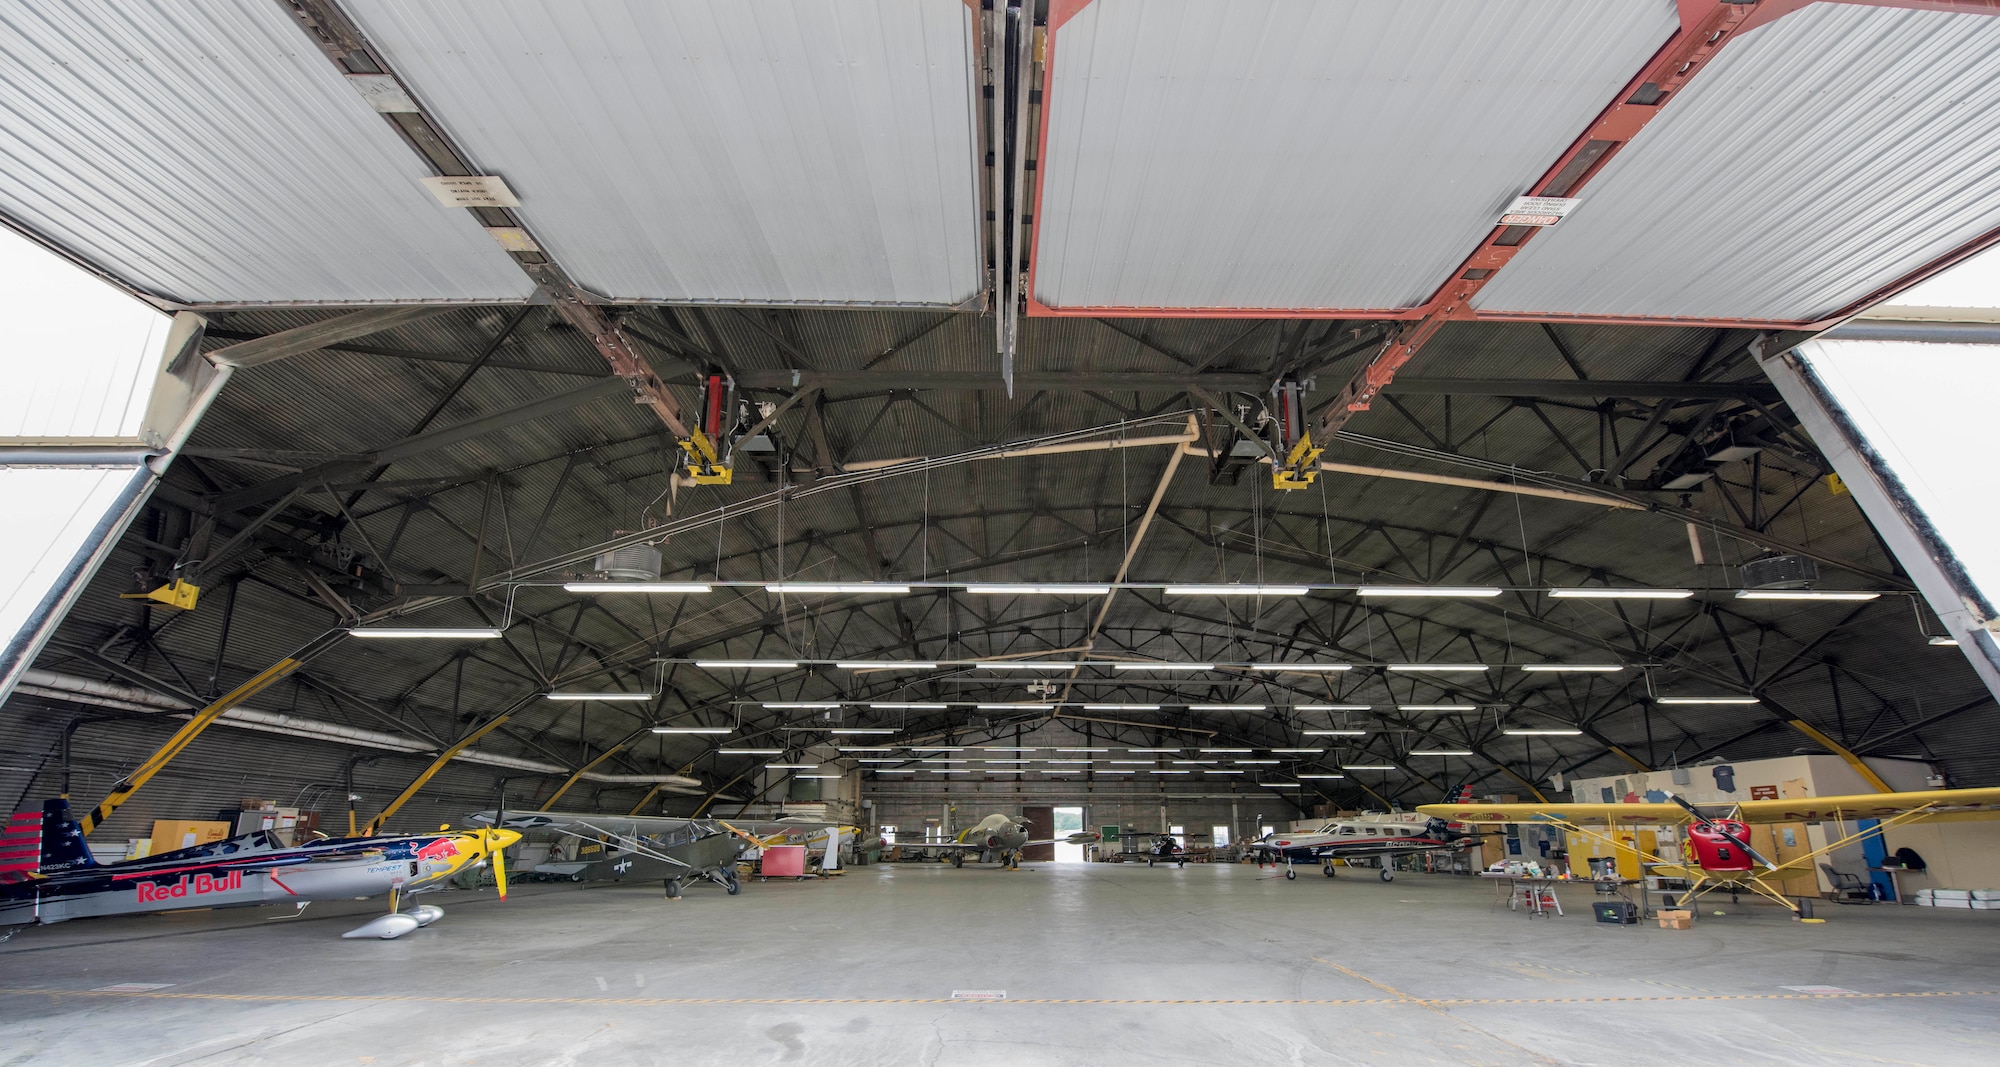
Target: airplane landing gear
[1290, 875]
[1327, 870]
[731, 884]
[958, 859]
[1388, 875]
[673, 889]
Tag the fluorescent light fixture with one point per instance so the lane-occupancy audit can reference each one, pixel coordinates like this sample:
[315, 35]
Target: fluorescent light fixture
[1163, 666]
[694, 729]
[944, 761]
[637, 587]
[816, 776]
[886, 665]
[1237, 590]
[1058, 589]
[802, 705]
[1802, 594]
[1333, 733]
[1945, 642]
[1081, 750]
[953, 770]
[1597, 593]
[1367, 766]
[1062, 772]
[1439, 752]
[1121, 707]
[1302, 668]
[615, 695]
[1014, 707]
[1300, 751]
[861, 730]
[1170, 772]
[1130, 763]
[1437, 668]
[807, 588]
[1320, 776]
[1152, 750]
[1218, 770]
[1706, 700]
[1025, 664]
[877, 759]
[892, 770]
[1428, 590]
[1008, 761]
[911, 706]
[442, 633]
[865, 748]
[1225, 707]
[1542, 733]
[1437, 707]
[1085, 762]
[1257, 762]
[1332, 707]
[749, 751]
[1226, 751]
[1114, 772]
[1195, 762]
[745, 664]
[1004, 748]
[935, 748]
[1557, 668]
[790, 766]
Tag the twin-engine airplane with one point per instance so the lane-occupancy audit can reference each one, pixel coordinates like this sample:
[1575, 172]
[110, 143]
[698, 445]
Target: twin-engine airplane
[1369, 836]
[1715, 850]
[47, 874]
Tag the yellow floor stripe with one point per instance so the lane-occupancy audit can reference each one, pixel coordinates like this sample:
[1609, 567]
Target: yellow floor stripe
[1442, 1002]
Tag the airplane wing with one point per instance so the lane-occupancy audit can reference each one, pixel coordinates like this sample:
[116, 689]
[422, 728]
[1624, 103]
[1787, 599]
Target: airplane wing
[586, 822]
[1621, 814]
[1942, 805]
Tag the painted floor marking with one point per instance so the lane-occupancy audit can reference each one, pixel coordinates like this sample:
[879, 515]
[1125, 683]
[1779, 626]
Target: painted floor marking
[132, 987]
[336, 998]
[1821, 990]
[979, 994]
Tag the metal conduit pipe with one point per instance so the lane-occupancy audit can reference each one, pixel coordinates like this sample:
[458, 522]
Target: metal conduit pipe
[1948, 333]
[55, 686]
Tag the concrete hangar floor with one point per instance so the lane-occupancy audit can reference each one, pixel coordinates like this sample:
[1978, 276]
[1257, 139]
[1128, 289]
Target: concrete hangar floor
[1097, 964]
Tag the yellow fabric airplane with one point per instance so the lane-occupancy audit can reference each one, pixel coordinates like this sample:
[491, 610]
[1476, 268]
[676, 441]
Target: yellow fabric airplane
[1716, 850]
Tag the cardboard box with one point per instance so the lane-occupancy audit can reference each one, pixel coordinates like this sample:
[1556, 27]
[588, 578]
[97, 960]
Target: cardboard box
[170, 835]
[1676, 920]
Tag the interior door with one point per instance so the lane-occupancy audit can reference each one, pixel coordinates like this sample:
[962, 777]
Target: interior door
[1041, 823]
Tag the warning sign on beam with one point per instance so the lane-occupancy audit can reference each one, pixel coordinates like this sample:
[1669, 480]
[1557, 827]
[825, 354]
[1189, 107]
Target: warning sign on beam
[1538, 210]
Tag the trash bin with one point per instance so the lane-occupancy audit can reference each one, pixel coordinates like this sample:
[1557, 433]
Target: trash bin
[1620, 912]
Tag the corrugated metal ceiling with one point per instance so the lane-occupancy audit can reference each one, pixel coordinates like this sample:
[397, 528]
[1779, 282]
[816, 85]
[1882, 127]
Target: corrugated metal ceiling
[1822, 156]
[709, 150]
[1293, 154]
[207, 153]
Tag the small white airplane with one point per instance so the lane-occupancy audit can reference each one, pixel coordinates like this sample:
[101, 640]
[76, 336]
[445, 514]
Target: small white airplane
[1377, 834]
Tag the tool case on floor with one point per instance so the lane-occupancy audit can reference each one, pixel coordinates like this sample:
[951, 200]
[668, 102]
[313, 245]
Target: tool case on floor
[1623, 912]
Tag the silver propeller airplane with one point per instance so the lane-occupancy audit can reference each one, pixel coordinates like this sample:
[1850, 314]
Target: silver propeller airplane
[996, 837]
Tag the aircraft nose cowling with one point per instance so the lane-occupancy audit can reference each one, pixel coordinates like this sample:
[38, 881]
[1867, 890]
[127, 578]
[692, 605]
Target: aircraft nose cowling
[992, 842]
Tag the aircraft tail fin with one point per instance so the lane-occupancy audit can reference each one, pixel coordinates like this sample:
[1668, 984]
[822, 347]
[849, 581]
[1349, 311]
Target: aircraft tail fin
[42, 842]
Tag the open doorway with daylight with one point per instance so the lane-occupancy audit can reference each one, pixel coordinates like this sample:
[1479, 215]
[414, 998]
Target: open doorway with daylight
[1067, 821]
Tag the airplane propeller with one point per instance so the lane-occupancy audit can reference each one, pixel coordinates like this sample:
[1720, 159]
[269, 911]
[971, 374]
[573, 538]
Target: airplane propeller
[1739, 842]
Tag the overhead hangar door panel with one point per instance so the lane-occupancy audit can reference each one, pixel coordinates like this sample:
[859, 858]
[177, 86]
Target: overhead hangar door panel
[1307, 155]
[206, 152]
[1818, 160]
[777, 152]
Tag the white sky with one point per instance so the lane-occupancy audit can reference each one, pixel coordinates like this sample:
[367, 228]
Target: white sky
[1928, 410]
[77, 355]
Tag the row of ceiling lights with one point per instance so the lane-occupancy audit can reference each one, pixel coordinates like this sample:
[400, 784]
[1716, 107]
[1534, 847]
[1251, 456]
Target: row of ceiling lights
[896, 588]
[1089, 589]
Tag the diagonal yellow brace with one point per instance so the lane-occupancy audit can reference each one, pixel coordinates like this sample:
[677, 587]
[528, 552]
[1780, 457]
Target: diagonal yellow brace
[375, 824]
[578, 776]
[202, 720]
[1843, 752]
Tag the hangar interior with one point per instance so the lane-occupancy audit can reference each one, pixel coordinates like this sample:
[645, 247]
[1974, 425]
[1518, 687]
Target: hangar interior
[1051, 463]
